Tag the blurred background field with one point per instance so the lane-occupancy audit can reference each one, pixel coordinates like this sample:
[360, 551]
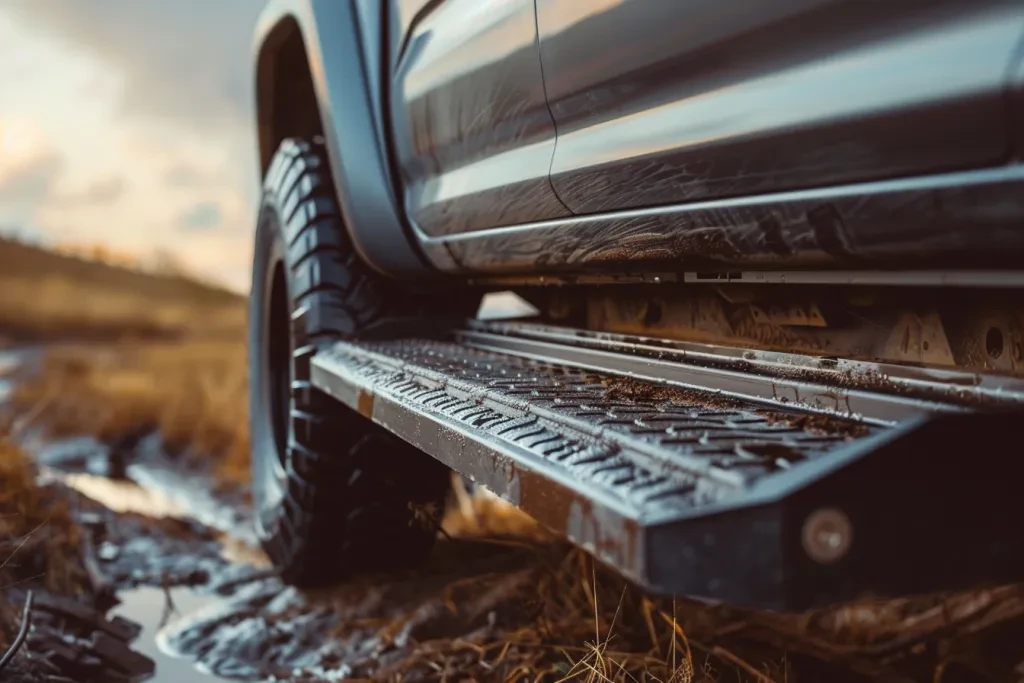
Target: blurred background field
[128, 353]
[46, 296]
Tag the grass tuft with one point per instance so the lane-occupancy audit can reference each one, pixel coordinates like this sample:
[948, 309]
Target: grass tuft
[39, 542]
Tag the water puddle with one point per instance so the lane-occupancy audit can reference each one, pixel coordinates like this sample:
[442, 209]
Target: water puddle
[194, 493]
[119, 495]
[156, 610]
[157, 492]
[164, 527]
[73, 454]
[151, 485]
[10, 361]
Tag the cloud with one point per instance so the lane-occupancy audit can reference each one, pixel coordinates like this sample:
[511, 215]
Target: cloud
[184, 175]
[103, 190]
[30, 167]
[186, 61]
[145, 107]
[202, 216]
[31, 182]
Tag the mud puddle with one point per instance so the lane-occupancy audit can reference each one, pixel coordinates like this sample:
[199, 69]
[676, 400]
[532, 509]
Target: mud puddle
[154, 610]
[11, 360]
[158, 538]
[144, 481]
[185, 565]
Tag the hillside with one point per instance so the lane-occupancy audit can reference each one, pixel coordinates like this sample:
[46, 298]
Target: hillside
[45, 295]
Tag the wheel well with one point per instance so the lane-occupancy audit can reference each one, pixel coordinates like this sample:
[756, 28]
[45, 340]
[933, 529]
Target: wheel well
[286, 102]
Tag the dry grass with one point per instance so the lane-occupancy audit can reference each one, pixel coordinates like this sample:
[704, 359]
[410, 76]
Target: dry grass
[556, 617]
[192, 392]
[39, 542]
[50, 308]
[38, 538]
[561, 617]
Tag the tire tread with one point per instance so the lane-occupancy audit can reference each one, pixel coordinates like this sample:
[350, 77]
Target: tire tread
[353, 490]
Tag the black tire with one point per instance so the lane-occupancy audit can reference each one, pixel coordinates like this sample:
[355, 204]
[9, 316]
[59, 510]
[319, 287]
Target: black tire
[334, 494]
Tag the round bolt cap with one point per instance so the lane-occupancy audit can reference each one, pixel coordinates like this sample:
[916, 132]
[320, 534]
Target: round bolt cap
[827, 535]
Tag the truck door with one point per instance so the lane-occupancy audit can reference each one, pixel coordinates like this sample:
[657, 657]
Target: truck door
[670, 101]
[471, 128]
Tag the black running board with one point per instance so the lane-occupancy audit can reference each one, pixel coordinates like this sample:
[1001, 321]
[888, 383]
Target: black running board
[698, 493]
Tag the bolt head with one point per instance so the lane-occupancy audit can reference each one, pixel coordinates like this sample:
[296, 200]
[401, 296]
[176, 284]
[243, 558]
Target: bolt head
[827, 535]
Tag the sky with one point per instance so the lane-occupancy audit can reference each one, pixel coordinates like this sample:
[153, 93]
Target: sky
[128, 123]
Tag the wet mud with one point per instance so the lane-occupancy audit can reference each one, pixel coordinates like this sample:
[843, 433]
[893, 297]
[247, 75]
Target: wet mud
[635, 390]
[620, 388]
[265, 627]
[175, 556]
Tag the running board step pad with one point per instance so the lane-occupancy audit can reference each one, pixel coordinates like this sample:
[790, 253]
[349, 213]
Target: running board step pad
[687, 492]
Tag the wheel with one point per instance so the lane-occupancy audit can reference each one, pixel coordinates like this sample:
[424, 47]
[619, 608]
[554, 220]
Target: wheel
[334, 494]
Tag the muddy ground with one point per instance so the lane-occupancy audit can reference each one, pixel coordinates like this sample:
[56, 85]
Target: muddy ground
[171, 585]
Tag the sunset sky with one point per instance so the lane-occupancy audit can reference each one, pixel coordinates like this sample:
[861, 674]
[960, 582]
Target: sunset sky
[128, 123]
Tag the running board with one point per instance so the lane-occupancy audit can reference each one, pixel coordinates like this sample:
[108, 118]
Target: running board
[712, 494]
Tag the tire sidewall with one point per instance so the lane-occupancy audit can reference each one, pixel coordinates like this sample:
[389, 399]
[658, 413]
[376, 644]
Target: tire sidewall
[328, 484]
[269, 476]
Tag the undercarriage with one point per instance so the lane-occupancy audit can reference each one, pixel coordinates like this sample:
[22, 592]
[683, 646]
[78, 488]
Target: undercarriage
[969, 328]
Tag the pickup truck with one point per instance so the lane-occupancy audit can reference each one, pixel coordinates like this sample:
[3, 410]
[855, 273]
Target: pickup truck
[773, 252]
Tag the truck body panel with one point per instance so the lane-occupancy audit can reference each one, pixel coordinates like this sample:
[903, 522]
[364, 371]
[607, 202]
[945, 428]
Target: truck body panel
[551, 138]
[473, 135]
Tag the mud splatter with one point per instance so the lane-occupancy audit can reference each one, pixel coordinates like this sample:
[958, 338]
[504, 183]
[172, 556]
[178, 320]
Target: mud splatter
[822, 424]
[640, 391]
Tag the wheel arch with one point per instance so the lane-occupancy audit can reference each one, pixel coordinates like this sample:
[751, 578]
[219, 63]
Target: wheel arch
[318, 71]
[283, 77]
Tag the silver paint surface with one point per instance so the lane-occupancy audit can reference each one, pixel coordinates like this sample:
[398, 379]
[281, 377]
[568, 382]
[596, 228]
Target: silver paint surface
[668, 102]
[957, 220]
[473, 135]
[742, 106]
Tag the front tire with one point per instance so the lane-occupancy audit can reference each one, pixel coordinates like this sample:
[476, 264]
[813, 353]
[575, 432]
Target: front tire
[334, 494]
